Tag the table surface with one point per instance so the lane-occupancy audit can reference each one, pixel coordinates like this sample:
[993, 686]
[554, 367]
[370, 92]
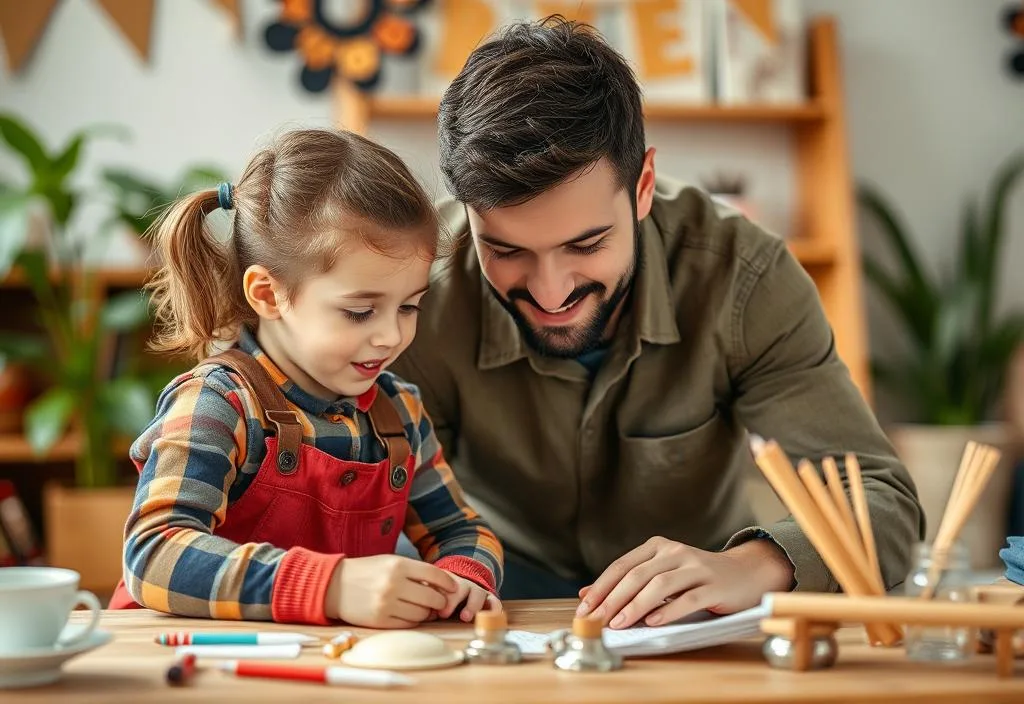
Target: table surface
[132, 667]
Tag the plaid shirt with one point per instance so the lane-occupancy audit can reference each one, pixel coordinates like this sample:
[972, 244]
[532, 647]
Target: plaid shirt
[205, 447]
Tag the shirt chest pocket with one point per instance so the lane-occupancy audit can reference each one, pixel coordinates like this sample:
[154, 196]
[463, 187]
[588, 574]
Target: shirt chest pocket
[683, 465]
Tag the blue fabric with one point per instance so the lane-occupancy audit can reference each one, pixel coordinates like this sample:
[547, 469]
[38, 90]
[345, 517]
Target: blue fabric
[1013, 556]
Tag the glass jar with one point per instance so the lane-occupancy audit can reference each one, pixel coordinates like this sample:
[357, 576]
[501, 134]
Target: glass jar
[953, 584]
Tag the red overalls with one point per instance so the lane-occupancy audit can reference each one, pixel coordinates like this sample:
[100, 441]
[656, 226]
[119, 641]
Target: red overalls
[303, 497]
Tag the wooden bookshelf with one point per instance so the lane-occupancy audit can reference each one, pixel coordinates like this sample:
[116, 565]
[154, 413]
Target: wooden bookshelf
[825, 243]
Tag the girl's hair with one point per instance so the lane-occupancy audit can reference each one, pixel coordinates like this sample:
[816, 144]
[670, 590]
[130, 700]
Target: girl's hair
[294, 206]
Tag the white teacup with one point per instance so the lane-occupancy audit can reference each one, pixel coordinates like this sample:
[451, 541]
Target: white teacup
[35, 603]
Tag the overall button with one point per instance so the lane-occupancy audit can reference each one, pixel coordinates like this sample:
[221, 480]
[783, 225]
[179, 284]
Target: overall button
[348, 477]
[385, 527]
[286, 460]
[399, 476]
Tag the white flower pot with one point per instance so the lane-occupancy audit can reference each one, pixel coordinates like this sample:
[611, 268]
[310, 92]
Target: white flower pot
[932, 456]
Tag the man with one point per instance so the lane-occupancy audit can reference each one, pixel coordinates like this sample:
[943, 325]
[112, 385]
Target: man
[594, 360]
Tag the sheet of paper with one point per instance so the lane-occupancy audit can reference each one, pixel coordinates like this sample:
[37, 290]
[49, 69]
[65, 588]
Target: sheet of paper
[702, 631]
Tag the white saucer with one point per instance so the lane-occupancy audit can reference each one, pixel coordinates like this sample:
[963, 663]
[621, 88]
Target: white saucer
[33, 667]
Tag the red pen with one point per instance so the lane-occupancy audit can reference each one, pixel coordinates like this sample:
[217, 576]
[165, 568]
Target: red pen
[181, 671]
[324, 675]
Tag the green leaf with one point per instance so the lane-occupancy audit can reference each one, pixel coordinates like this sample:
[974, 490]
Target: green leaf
[916, 311]
[129, 404]
[954, 325]
[894, 231]
[22, 348]
[970, 242]
[66, 161]
[994, 232]
[47, 418]
[14, 223]
[125, 311]
[25, 143]
[130, 183]
[201, 177]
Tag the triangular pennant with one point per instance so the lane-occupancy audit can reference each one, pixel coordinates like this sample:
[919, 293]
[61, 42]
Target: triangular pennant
[134, 18]
[760, 14]
[234, 10]
[21, 25]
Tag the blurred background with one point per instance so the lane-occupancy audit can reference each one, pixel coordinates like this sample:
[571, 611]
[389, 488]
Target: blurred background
[883, 140]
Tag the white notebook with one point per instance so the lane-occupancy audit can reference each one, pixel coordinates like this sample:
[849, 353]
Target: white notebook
[701, 630]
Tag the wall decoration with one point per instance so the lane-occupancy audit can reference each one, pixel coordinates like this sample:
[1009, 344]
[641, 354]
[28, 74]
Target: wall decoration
[21, 26]
[759, 51]
[1013, 19]
[234, 10]
[665, 41]
[134, 18]
[350, 47]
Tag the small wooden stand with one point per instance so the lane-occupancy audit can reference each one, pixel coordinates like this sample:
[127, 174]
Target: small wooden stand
[803, 617]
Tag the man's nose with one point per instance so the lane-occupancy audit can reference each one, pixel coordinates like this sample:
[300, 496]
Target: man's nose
[549, 285]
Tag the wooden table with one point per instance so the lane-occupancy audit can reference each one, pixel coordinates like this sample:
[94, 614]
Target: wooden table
[131, 669]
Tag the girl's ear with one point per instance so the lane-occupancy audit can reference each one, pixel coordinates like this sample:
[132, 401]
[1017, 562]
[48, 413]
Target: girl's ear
[263, 292]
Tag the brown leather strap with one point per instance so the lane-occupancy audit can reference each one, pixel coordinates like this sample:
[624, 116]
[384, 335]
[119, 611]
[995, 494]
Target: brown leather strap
[275, 407]
[391, 430]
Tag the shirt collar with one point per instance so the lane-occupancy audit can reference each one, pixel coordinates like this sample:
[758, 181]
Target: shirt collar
[298, 396]
[501, 343]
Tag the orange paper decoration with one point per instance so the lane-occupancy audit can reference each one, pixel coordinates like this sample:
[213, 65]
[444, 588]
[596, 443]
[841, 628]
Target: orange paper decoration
[21, 25]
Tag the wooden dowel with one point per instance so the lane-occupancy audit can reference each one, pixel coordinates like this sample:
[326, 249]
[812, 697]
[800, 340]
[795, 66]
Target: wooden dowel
[860, 507]
[958, 480]
[848, 540]
[842, 501]
[780, 474]
[843, 608]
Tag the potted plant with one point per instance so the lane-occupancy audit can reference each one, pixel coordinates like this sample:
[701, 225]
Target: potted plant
[961, 349]
[82, 401]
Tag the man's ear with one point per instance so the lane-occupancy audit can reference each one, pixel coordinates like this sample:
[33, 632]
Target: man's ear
[645, 186]
[263, 292]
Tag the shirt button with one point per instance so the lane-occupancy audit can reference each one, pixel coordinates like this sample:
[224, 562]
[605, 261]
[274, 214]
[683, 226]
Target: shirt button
[385, 527]
[348, 477]
[336, 417]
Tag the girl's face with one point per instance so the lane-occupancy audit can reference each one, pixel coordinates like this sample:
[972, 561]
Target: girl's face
[344, 327]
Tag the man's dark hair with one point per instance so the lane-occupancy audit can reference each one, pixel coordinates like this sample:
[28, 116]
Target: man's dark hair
[533, 106]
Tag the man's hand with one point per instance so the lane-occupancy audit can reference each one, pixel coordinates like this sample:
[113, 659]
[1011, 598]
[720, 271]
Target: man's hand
[475, 597]
[664, 581]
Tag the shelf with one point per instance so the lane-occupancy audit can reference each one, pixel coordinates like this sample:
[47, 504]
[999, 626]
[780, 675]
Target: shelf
[15, 448]
[426, 107]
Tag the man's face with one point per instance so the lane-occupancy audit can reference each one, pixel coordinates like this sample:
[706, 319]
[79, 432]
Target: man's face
[563, 262]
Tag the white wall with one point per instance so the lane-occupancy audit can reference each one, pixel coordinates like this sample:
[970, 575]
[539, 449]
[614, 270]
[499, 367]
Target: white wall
[931, 111]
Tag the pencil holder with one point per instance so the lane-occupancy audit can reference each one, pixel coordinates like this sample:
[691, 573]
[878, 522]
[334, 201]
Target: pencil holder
[946, 577]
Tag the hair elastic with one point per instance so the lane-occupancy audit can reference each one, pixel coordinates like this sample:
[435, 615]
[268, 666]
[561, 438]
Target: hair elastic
[225, 197]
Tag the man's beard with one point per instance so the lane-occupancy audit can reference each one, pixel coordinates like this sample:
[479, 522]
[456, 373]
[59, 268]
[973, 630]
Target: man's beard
[570, 342]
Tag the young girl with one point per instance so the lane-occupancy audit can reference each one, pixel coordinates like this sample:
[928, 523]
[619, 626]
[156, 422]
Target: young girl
[276, 477]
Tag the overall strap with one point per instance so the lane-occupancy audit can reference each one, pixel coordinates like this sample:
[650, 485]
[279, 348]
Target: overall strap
[391, 430]
[275, 407]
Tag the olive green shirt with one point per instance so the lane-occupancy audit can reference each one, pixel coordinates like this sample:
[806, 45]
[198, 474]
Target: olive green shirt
[723, 334]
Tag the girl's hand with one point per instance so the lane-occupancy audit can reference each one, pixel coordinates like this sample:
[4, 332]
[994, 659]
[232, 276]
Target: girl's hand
[474, 596]
[387, 591]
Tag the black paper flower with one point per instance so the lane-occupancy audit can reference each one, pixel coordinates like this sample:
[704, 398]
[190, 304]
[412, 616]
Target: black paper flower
[351, 50]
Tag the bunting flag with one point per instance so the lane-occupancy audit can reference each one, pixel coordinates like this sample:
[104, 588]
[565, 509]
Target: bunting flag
[234, 10]
[134, 18]
[21, 25]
